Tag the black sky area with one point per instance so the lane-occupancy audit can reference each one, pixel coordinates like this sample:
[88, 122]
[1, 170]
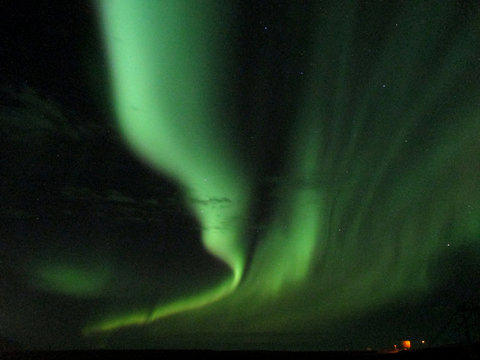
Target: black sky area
[55, 47]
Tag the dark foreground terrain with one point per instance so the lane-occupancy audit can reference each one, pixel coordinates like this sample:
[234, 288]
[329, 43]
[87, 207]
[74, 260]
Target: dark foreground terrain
[452, 352]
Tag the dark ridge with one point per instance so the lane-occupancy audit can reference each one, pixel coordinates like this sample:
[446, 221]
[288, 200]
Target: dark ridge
[449, 352]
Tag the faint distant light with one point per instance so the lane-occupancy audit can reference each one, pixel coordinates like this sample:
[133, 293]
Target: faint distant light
[406, 344]
[265, 27]
[448, 244]
[423, 341]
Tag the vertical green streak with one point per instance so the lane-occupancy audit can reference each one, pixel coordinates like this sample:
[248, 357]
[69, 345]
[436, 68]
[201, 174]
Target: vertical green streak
[167, 71]
[341, 26]
[405, 52]
[284, 258]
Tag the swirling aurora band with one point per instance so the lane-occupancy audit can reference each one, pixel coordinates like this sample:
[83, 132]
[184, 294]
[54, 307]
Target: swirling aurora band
[367, 132]
[151, 78]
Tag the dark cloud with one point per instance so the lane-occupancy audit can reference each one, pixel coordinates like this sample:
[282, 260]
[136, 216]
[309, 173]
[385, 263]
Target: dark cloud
[210, 201]
[24, 114]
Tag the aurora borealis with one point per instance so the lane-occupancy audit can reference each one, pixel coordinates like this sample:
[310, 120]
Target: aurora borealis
[273, 175]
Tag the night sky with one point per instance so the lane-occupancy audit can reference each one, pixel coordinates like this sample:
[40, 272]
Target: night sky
[289, 175]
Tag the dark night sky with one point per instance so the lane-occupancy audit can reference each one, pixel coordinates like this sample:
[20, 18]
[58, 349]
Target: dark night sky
[92, 231]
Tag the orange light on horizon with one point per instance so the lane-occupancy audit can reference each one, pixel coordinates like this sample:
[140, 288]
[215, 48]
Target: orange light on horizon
[406, 344]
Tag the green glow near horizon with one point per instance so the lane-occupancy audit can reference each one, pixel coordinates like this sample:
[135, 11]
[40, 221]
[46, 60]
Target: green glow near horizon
[81, 281]
[371, 192]
[295, 234]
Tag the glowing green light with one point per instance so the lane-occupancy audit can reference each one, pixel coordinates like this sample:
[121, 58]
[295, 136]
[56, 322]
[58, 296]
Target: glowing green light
[285, 256]
[130, 319]
[378, 161]
[78, 281]
[166, 85]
